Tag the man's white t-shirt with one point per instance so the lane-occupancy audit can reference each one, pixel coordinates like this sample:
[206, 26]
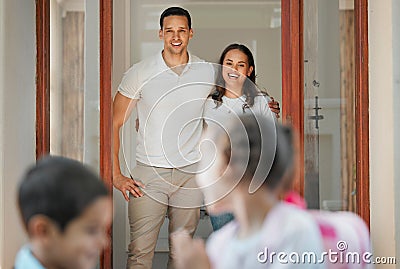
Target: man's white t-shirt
[170, 109]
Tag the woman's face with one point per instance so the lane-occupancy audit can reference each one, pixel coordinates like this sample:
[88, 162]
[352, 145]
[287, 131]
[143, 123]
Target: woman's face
[235, 68]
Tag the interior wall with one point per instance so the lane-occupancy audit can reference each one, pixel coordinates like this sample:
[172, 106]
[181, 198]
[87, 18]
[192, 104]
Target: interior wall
[329, 94]
[396, 118]
[2, 39]
[382, 93]
[215, 26]
[56, 42]
[91, 154]
[121, 63]
[322, 53]
[18, 65]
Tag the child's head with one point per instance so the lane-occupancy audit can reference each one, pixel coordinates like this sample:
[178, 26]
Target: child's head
[66, 211]
[253, 153]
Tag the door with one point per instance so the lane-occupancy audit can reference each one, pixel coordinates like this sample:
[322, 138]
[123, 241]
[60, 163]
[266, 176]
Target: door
[325, 98]
[292, 102]
[216, 25]
[329, 105]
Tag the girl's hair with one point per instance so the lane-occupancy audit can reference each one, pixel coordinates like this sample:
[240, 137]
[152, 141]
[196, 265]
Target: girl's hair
[249, 87]
[60, 189]
[262, 148]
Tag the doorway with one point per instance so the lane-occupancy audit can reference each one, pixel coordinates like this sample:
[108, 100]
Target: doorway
[292, 83]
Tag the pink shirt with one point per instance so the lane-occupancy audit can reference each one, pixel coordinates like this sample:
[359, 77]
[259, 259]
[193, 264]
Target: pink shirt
[287, 231]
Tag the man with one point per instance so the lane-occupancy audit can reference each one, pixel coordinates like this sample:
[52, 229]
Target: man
[169, 91]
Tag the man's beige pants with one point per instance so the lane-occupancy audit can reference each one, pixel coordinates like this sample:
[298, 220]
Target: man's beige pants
[169, 191]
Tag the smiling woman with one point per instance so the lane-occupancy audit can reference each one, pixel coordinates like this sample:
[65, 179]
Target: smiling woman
[134, 37]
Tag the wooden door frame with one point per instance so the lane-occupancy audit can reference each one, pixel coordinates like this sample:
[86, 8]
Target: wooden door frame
[43, 95]
[106, 53]
[292, 92]
[42, 77]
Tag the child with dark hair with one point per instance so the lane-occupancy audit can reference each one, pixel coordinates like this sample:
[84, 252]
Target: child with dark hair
[66, 212]
[252, 163]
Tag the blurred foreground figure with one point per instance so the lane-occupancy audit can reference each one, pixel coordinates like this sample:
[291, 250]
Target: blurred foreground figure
[250, 168]
[66, 211]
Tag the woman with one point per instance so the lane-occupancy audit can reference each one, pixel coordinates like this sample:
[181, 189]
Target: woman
[236, 93]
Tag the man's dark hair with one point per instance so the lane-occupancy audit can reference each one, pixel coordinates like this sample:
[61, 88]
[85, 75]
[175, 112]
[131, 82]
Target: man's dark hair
[175, 11]
[58, 188]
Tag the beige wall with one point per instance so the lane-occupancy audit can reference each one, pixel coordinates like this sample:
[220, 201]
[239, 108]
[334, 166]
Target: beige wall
[382, 127]
[2, 39]
[396, 120]
[17, 139]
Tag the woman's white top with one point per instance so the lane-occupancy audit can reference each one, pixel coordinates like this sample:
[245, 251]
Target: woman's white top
[233, 107]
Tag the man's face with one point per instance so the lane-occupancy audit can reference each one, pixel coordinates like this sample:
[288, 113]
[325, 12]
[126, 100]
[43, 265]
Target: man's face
[79, 245]
[176, 34]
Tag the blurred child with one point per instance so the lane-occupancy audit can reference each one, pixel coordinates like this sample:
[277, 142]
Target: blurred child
[250, 170]
[66, 212]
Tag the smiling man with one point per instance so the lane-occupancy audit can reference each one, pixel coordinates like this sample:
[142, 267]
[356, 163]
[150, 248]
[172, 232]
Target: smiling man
[169, 91]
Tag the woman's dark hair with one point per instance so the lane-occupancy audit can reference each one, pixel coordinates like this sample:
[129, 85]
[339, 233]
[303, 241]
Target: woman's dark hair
[262, 148]
[175, 11]
[58, 188]
[249, 87]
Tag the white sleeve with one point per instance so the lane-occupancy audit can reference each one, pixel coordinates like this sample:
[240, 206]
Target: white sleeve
[130, 86]
[264, 109]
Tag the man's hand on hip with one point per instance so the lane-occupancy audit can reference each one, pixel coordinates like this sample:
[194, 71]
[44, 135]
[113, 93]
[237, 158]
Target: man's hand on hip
[127, 185]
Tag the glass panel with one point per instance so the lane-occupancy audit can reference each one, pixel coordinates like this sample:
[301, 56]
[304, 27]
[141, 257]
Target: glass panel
[216, 24]
[329, 125]
[67, 64]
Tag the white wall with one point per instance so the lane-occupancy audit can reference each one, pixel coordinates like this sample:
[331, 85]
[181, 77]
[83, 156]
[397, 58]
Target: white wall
[17, 92]
[396, 118]
[382, 126]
